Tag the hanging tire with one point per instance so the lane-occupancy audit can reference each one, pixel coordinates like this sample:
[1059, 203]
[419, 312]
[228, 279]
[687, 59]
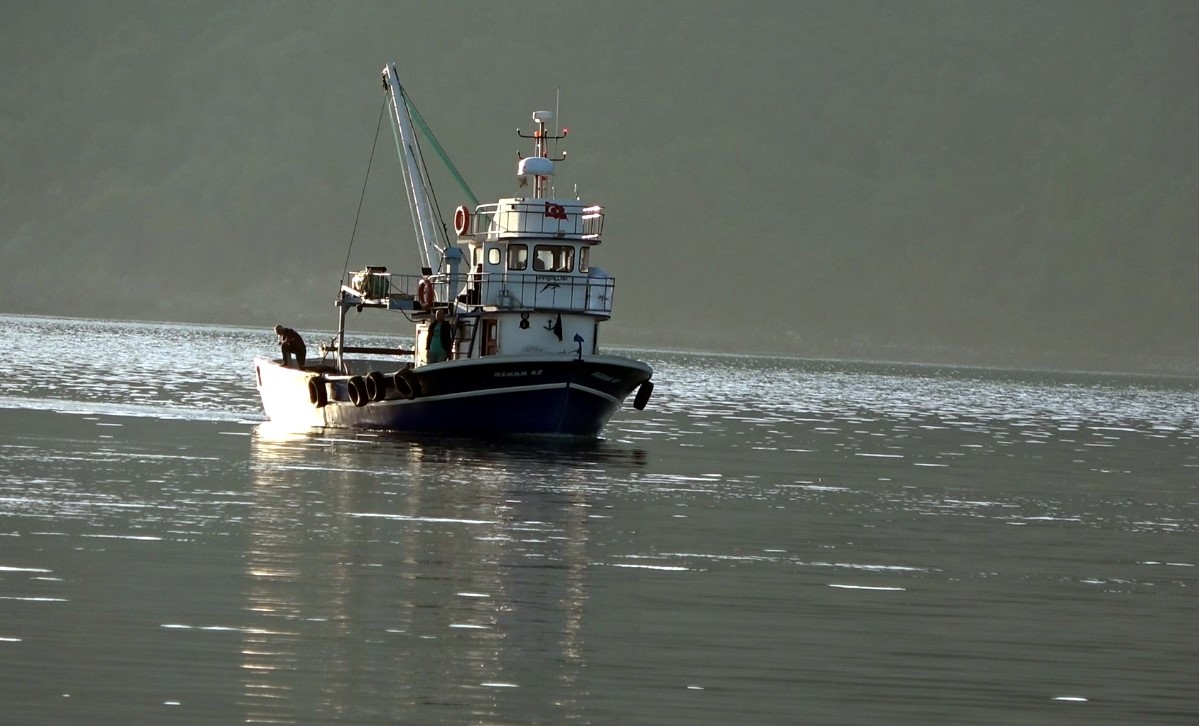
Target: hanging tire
[357, 388]
[376, 386]
[643, 393]
[318, 394]
[405, 383]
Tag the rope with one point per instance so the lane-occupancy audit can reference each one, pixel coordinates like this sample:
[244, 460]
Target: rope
[424, 171]
[361, 197]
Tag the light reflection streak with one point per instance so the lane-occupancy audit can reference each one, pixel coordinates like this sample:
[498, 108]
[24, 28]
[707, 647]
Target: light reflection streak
[33, 599]
[334, 541]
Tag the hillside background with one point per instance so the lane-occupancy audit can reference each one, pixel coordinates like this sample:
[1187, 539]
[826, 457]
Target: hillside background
[964, 182]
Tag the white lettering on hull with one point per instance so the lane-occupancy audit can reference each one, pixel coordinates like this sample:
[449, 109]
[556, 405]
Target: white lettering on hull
[516, 374]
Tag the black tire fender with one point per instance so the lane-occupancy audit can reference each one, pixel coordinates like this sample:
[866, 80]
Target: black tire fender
[405, 383]
[376, 386]
[357, 387]
[644, 391]
[318, 392]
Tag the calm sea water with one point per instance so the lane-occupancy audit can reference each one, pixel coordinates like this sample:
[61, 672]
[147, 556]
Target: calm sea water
[772, 541]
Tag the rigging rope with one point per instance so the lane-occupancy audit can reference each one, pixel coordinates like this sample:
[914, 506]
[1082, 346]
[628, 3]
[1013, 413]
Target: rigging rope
[424, 172]
[353, 232]
[405, 153]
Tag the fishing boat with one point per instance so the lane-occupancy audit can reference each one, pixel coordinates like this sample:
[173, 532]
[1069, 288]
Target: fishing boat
[514, 287]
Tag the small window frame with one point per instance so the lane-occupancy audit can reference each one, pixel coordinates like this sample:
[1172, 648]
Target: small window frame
[518, 257]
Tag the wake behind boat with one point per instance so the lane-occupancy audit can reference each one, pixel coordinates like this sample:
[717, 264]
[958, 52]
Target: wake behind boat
[506, 318]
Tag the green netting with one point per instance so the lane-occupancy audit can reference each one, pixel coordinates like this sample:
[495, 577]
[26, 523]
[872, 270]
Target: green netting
[445, 158]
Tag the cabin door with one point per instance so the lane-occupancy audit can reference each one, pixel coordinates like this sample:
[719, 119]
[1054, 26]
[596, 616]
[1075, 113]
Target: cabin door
[491, 342]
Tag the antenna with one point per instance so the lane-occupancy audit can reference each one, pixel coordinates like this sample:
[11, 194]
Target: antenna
[540, 166]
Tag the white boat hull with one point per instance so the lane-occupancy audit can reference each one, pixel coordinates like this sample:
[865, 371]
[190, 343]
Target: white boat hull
[502, 395]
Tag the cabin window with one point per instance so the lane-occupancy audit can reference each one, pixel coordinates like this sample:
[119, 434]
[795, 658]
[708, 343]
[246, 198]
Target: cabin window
[493, 256]
[584, 265]
[553, 258]
[518, 257]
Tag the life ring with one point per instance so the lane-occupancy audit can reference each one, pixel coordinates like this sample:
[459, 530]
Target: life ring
[425, 294]
[461, 220]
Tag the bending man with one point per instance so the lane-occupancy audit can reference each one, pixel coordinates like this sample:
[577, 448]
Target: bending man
[292, 344]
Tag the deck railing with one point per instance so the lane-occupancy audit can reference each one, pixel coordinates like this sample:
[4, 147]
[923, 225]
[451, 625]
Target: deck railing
[535, 218]
[549, 291]
[504, 290]
[376, 284]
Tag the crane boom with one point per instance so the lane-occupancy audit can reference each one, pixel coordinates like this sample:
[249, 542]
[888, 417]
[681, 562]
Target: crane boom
[429, 234]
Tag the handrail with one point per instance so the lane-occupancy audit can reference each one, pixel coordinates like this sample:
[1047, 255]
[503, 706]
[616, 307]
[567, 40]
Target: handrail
[547, 291]
[536, 218]
[560, 292]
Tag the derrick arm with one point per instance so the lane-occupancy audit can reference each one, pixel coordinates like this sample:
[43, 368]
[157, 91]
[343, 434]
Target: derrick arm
[429, 234]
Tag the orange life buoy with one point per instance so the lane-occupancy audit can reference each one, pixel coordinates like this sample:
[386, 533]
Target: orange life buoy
[425, 294]
[461, 220]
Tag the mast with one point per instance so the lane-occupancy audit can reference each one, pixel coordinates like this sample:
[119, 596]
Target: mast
[540, 166]
[424, 217]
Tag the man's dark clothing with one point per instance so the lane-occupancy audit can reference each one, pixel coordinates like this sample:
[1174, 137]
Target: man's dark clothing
[292, 344]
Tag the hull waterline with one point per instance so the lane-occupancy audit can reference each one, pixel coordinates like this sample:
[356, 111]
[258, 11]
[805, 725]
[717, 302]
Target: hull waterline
[545, 396]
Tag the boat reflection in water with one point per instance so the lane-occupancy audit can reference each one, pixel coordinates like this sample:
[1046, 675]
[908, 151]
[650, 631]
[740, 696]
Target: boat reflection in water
[415, 576]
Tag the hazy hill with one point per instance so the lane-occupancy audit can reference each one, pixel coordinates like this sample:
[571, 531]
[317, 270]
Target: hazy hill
[991, 182]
